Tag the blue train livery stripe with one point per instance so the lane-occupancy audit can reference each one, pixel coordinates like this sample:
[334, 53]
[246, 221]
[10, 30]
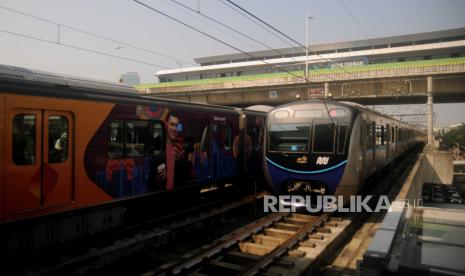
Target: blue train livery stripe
[306, 172]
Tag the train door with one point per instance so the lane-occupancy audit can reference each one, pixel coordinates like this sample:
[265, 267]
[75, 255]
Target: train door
[221, 144]
[39, 161]
[57, 157]
[370, 147]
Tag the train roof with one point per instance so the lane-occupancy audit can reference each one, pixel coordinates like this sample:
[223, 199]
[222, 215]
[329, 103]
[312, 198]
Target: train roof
[38, 76]
[260, 108]
[350, 105]
[44, 83]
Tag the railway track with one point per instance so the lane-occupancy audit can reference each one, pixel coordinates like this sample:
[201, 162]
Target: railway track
[278, 239]
[134, 239]
[277, 244]
[283, 243]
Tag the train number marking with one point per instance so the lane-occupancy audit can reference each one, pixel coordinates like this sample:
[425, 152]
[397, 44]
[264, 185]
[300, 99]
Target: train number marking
[322, 160]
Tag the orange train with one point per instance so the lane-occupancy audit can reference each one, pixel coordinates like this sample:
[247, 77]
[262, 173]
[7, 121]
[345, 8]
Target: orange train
[68, 144]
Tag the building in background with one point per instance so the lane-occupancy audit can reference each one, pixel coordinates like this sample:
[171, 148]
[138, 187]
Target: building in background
[130, 78]
[421, 46]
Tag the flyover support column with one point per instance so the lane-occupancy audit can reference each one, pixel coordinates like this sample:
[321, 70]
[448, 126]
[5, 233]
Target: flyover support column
[429, 110]
[326, 90]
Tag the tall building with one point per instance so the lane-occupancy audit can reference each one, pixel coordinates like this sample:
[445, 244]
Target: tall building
[130, 78]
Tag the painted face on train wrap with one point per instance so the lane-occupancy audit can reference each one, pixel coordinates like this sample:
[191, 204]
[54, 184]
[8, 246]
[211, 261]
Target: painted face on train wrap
[307, 146]
[172, 126]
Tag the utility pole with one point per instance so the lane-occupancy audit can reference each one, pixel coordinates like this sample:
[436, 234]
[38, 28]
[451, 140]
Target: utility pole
[307, 17]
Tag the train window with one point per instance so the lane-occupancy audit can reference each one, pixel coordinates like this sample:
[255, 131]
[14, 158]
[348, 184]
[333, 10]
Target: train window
[399, 135]
[24, 139]
[379, 135]
[154, 140]
[289, 137]
[370, 138]
[115, 139]
[323, 138]
[227, 136]
[393, 134]
[136, 133]
[383, 135]
[205, 140]
[58, 139]
[341, 139]
[387, 134]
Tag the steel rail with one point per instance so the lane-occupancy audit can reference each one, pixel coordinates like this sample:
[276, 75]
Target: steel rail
[279, 251]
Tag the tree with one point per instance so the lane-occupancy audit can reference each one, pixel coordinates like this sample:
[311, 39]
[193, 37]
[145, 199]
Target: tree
[455, 135]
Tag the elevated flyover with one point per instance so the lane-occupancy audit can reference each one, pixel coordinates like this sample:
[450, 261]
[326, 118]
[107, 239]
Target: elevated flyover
[388, 83]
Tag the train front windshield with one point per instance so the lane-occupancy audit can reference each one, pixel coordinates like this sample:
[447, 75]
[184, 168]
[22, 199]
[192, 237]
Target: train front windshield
[317, 137]
[289, 137]
[309, 131]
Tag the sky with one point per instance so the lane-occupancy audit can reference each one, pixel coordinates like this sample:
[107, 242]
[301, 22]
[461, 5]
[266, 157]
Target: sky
[132, 23]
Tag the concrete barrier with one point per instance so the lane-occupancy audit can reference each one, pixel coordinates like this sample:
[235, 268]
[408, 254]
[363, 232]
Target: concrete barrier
[431, 167]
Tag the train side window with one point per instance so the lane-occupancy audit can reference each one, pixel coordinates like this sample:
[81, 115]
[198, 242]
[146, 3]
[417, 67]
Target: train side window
[115, 139]
[136, 133]
[393, 134]
[154, 139]
[383, 135]
[370, 137]
[380, 135]
[227, 135]
[205, 140]
[323, 138]
[58, 139]
[387, 134]
[24, 139]
[377, 135]
[342, 137]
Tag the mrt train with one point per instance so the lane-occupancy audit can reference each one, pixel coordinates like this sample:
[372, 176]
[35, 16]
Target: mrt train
[67, 144]
[331, 148]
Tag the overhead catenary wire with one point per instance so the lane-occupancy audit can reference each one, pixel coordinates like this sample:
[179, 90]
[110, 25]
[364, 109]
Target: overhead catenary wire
[60, 26]
[214, 38]
[353, 18]
[283, 34]
[265, 23]
[81, 49]
[228, 27]
[286, 36]
[218, 28]
[255, 22]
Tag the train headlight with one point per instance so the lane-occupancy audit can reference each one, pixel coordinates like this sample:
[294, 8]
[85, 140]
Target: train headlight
[338, 112]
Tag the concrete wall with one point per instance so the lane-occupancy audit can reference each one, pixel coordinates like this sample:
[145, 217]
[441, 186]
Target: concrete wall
[382, 254]
[431, 167]
[438, 168]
